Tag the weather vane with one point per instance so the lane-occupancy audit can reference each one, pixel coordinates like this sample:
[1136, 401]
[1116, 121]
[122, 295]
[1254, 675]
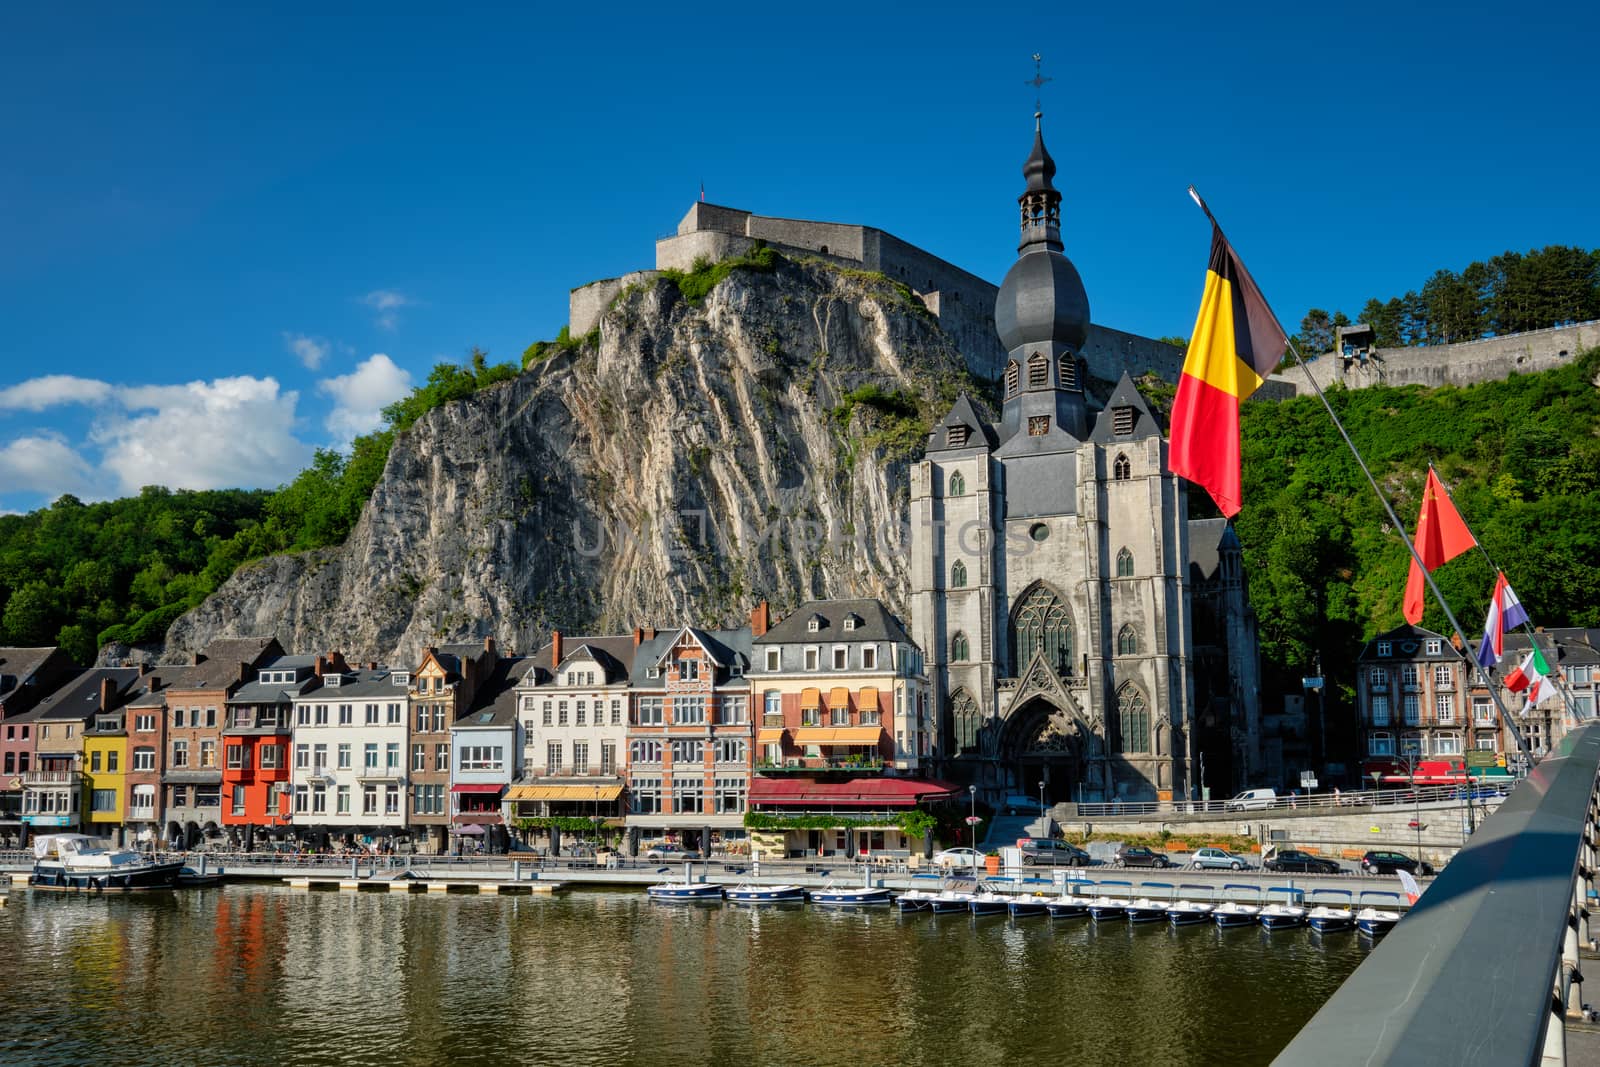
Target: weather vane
[1037, 81]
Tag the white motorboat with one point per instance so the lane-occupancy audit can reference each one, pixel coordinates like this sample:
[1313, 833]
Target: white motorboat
[1287, 915]
[1106, 906]
[79, 862]
[750, 893]
[1329, 918]
[914, 900]
[1236, 912]
[1148, 909]
[990, 903]
[1375, 922]
[948, 900]
[833, 896]
[686, 891]
[1190, 912]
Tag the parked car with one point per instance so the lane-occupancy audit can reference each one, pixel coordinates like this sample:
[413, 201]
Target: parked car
[1048, 852]
[958, 857]
[671, 852]
[1294, 860]
[1017, 804]
[1219, 859]
[1252, 799]
[1389, 862]
[1139, 856]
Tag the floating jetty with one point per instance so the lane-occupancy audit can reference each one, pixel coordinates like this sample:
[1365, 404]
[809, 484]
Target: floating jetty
[424, 885]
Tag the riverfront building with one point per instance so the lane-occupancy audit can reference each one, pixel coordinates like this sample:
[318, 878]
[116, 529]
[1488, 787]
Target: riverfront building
[349, 753]
[256, 740]
[690, 736]
[485, 760]
[441, 689]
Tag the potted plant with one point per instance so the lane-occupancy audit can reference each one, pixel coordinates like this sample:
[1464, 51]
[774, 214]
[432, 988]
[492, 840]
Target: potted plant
[991, 862]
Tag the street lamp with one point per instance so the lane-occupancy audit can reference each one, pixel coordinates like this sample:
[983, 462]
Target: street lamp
[1042, 819]
[1416, 796]
[972, 821]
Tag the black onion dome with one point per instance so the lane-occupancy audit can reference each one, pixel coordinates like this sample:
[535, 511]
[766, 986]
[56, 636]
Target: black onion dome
[1040, 168]
[1042, 300]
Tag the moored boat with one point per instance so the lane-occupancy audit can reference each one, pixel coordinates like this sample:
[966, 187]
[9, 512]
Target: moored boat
[832, 896]
[1375, 922]
[685, 891]
[1189, 912]
[1328, 918]
[1105, 906]
[989, 903]
[748, 893]
[189, 878]
[1286, 915]
[1148, 909]
[78, 862]
[949, 900]
[914, 900]
[1067, 907]
[1237, 912]
[1022, 907]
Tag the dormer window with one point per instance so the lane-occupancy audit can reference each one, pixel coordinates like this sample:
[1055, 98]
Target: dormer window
[402, 678]
[1384, 648]
[1434, 645]
[811, 626]
[1122, 421]
[332, 680]
[851, 622]
[958, 435]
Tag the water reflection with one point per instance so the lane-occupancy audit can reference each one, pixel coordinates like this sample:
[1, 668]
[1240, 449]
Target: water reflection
[258, 975]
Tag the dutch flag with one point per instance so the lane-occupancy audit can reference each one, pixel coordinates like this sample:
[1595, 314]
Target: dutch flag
[1505, 613]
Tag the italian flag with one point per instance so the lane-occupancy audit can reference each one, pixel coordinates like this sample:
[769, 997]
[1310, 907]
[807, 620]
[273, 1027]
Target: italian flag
[1532, 674]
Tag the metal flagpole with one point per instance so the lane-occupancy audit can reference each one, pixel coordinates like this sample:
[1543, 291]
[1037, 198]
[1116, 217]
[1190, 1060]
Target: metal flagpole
[1505, 716]
[1527, 626]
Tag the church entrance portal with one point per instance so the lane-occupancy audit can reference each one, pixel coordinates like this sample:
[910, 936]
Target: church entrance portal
[1043, 744]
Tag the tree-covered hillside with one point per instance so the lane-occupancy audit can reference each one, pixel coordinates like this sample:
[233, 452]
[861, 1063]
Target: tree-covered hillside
[1521, 458]
[81, 575]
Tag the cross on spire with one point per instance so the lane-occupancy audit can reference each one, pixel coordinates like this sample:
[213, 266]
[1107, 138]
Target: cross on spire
[1037, 81]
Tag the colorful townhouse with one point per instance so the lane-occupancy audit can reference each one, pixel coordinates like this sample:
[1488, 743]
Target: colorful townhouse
[573, 709]
[485, 760]
[145, 723]
[844, 728]
[256, 798]
[689, 737]
[53, 791]
[196, 710]
[1412, 699]
[349, 770]
[442, 688]
[26, 675]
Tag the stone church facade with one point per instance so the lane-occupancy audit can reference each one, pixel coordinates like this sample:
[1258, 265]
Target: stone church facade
[1052, 569]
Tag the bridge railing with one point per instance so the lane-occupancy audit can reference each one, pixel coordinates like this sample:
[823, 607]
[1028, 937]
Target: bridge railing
[1484, 970]
[1378, 798]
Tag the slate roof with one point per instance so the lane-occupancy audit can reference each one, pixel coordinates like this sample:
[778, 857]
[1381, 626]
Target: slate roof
[154, 688]
[726, 647]
[364, 684]
[219, 662]
[878, 623]
[80, 698]
[617, 648]
[1406, 635]
[18, 664]
[1125, 395]
[962, 413]
[495, 703]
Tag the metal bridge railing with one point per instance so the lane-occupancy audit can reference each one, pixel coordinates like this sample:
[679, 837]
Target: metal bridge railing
[1484, 970]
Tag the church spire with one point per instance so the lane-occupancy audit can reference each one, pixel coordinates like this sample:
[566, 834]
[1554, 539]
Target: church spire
[1040, 202]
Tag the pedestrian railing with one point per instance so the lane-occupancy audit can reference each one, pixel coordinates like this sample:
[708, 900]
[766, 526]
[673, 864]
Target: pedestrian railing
[1319, 802]
[1484, 970]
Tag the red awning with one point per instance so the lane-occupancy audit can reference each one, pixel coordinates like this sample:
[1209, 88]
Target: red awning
[854, 792]
[476, 788]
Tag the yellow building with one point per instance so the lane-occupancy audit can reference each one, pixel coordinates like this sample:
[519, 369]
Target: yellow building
[105, 766]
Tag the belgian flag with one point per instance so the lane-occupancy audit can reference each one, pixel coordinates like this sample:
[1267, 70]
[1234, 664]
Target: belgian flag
[1236, 343]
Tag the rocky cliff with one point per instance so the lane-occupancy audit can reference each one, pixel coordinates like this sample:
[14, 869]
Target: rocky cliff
[699, 456]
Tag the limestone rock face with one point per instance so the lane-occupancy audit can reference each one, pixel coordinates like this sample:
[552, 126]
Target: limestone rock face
[699, 458]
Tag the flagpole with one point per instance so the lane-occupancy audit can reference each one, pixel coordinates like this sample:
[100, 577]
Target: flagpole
[1527, 625]
[1505, 716]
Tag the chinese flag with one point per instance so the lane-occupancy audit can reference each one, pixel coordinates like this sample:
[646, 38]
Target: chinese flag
[1441, 536]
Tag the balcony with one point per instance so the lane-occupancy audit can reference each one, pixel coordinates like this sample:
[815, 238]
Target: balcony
[819, 764]
[772, 721]
[51, 778]
[142, 814]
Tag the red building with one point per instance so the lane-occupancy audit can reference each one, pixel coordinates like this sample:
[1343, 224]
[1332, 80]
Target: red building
[256, 745]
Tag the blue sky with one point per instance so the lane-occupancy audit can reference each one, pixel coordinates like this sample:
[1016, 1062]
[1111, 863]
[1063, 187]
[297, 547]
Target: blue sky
[227, 236]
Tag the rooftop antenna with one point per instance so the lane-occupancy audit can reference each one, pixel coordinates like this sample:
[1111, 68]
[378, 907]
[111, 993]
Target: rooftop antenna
[1037, 81]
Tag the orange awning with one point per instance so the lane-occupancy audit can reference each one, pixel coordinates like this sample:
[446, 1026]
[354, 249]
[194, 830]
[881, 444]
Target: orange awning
[838, 697]
[811, 697]
[838, 735]
[867, 699]
[769, 737]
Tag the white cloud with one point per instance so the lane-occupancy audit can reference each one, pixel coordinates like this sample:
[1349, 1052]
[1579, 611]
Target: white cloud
[53, 390]
[387, 302]
[230, 432]
[310, 351]
[44, 463]
[360, 396]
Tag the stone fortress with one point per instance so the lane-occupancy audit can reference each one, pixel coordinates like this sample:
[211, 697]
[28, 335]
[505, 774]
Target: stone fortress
[963, 302]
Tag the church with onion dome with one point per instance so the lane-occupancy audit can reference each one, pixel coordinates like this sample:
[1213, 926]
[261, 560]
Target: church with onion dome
[1080, 631]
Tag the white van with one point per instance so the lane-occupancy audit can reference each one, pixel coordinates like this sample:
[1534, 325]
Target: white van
[1253, 798]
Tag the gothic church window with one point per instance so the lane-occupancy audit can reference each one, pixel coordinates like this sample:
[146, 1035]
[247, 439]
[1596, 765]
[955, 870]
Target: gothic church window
[1042, 623]
[1124, 564]
[1133, 720]
[1068, 371]
[1121, 469]
[1122, 421]
[958, 648]
[1127, 641]
[1038, 370]
[966, 720]
[958, 484]
[1013, 376]
[958, 575]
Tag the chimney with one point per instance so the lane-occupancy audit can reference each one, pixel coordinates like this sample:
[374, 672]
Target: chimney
[760, 620]
[488, 645]
[321, 665]
[144, 667]
[194, 659]
[372, 664]
[1455, 642]
[649, 633]
[244, 672]
[638, 635]
[108, 693]
[555, 649]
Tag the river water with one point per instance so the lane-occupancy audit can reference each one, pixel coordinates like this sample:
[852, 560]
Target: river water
[267, 975]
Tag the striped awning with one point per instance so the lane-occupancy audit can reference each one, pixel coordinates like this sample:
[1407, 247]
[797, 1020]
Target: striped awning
[564, 792]
[838, 735]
